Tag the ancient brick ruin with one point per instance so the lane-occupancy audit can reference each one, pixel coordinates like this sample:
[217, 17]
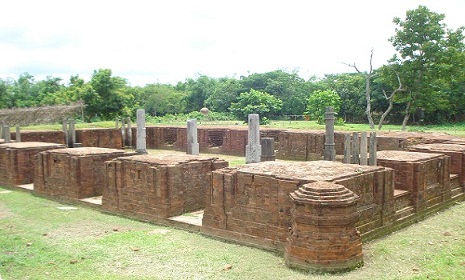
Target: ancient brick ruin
[17, 161]
[315, 212]
[323, 236]
[254, 201]
[72, 173]
[153, 188]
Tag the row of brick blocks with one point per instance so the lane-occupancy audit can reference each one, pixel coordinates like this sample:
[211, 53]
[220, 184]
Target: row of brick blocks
[290, 144]
[274, 204]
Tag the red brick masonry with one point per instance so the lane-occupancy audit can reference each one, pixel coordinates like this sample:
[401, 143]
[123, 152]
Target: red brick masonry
[252, 202]
[323, 236]
[17, 161]
[72, 173]
[154, 187]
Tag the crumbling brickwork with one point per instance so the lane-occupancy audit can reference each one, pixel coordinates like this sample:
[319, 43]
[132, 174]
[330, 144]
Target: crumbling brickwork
[17, 161]
[72, 173]
[103, 138]
[253, 200]
[425, 176]
[154, 187]
[455, 151]
[234, 142]
[323, 236]
[41, 136]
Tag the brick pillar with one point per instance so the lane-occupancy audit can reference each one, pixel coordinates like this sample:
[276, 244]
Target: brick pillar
[323, 236]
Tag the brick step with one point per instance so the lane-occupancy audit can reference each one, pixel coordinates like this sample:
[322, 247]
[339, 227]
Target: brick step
[456, 191]
[401, 199]
[454, 181]
[404, 213]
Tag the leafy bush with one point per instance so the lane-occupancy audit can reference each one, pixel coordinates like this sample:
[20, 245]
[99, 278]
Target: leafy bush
[319, 100]
[256, 102]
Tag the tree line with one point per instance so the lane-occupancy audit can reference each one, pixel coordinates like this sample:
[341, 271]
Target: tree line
[424, 82]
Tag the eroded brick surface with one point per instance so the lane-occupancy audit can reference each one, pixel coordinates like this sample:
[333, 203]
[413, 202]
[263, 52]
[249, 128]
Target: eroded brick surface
[154, 187]
[254, 199]
[73, 173]
[17, 161]
[424, 175]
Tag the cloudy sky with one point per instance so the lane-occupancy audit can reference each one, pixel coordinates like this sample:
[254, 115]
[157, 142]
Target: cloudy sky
[169, 41]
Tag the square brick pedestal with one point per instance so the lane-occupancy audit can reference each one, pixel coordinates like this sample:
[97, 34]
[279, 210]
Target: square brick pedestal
[156, 187]
[17, 161]
[73, 173]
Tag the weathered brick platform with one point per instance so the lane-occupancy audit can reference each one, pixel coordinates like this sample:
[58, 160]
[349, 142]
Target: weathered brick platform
[421, 178]
[456, 153]
[17, 161]
[157, 187]
[72, 173]
[252, 202]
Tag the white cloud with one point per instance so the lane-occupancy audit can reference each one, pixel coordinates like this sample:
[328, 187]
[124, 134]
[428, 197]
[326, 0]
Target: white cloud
[169, 41]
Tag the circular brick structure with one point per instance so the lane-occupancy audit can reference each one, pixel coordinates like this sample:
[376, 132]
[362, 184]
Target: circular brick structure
[323, 236]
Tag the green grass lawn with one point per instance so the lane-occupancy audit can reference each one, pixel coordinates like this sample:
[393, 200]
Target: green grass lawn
[40, 241]
[454, 129]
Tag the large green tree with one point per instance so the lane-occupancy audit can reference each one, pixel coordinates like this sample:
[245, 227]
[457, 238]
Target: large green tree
[198, 90]
[424, 46]
[161, 99]
[291, 89]
[226, 92]
[109, 96]
[256, 102]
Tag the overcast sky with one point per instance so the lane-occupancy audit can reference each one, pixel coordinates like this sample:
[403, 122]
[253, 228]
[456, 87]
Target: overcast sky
[169, 41]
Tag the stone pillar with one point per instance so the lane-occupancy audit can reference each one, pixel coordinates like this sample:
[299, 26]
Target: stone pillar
[192, 141]
[6, 134]
[129, 133]
[18, 134]
[141, 141]
[330, 152]
[253, 148]
[116, 123]
[123, 132]
[347, 148]
[65, 131]
[355, 148]
[1, 129]
[71, 133]
[373, 149]
[267, 144]
[363, 148]
[323, 236]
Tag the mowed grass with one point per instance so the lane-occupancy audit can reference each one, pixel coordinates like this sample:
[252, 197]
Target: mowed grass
[453, 129]
[40, 241]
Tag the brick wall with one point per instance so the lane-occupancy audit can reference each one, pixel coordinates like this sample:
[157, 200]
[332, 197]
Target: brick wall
[455, 151]
[72, 173]
[254, 200]
[17, 161]
[103, 138]
[154, 187]
[41, 136]
[234, 142]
